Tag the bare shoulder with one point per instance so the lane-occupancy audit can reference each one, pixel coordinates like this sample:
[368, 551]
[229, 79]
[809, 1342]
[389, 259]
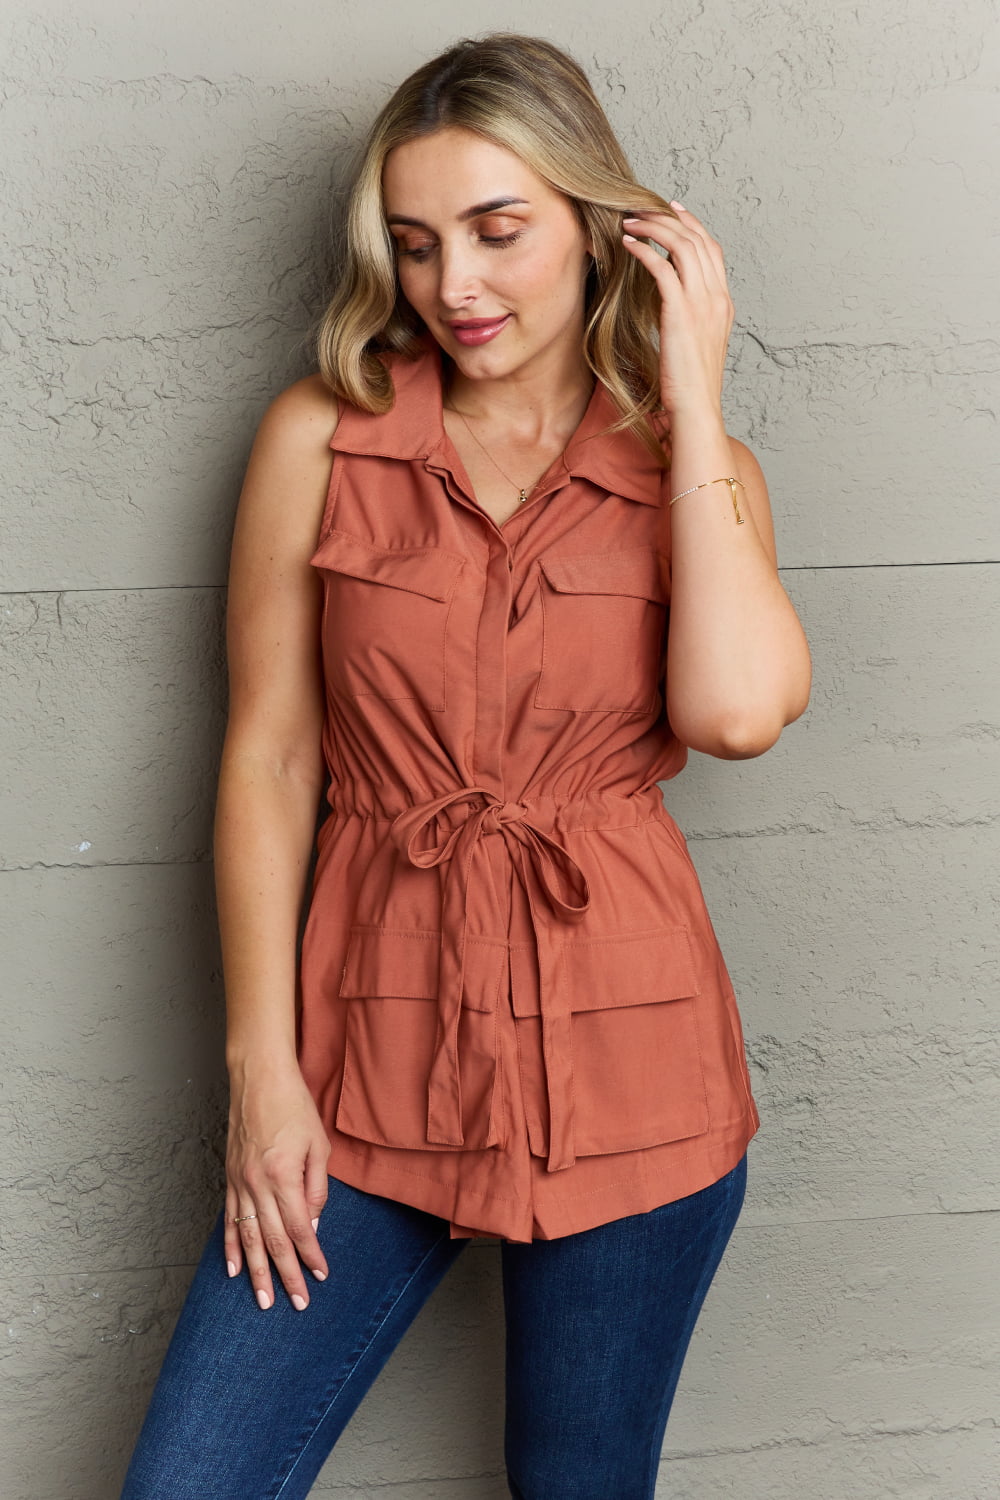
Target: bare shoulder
[744, 454]
[274, 598]
[288, 471]
[308, 401]
[748, 469]
[301, 419]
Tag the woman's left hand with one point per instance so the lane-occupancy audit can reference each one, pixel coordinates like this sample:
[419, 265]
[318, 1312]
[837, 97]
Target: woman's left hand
[696, 310]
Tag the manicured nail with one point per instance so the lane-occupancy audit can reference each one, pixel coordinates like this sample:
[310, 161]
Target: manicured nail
[232, 1267]
[315, 1224]
[319, 1275]
[263, 1299]
[630, 239]
[299, 1302]
[675, 204]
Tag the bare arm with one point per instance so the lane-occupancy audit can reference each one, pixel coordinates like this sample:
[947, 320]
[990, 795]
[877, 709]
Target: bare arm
[270, 783]
[738, 667]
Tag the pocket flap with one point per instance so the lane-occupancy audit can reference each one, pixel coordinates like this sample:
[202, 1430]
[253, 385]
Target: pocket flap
[634, 968]
[635, 571]
[403, 964]
[430, 571]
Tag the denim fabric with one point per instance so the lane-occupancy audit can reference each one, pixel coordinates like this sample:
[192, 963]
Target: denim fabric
[249, 1403]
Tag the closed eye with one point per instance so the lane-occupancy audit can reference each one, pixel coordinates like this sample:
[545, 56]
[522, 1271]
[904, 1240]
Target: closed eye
[495, 241]
[501, 239]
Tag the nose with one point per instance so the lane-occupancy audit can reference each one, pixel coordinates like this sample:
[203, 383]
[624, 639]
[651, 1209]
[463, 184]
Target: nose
[458, 282]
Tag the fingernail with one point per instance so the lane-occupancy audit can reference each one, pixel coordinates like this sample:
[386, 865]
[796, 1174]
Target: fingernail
[232, 1267]
[630, 239]
[299, 1302]
[263, 1299]
[674, 204]
[315, 1224]
[319, 1275]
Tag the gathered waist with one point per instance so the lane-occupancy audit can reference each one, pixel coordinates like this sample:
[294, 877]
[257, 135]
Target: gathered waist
[595, 810]
[442, 832]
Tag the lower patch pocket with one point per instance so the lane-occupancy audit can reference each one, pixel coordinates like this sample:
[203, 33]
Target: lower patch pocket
[390, 983]
[638, 1078]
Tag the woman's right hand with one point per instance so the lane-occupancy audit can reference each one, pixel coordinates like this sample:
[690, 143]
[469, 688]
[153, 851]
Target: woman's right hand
[276, 1168]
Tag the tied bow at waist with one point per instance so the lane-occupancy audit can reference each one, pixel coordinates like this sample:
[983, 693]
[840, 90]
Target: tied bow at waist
[556, 889]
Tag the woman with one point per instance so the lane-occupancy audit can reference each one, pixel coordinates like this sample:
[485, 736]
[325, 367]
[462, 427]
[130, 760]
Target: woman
[454, 555]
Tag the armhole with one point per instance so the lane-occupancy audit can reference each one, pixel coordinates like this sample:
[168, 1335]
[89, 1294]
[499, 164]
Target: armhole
[661, 426]
[666, 539]
[336, 471]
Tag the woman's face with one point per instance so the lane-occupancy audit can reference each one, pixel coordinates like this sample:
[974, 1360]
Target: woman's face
[490, 257]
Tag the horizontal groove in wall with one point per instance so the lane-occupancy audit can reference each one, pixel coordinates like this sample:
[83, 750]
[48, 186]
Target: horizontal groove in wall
[746, 1225]
[99, 864]
[883, 828]
[160, 588]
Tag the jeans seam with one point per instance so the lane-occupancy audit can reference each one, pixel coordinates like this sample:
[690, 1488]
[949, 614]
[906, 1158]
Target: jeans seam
[343, 1380]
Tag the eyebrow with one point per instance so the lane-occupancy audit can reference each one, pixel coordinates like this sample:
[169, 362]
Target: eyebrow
[475, 212]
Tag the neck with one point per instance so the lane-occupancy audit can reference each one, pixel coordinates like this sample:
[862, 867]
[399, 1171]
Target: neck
[531, 405]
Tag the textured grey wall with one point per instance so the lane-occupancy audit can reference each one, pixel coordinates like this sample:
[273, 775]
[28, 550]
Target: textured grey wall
[171, 175]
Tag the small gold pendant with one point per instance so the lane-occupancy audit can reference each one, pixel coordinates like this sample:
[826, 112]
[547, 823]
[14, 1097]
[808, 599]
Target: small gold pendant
[736, 508]
[523, 496]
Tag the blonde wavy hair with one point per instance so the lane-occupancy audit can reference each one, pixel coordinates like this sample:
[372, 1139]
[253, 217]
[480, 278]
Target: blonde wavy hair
[524, 94]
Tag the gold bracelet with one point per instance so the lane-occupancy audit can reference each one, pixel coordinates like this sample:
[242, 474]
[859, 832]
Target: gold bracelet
[732, 482]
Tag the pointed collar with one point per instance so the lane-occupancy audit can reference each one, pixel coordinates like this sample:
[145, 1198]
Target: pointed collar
[414, 429]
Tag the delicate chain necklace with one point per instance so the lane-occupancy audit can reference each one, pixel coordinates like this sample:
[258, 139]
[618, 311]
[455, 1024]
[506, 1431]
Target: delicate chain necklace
[523, 492]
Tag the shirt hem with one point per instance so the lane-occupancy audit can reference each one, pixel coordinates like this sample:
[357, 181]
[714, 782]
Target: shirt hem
[473, 1214]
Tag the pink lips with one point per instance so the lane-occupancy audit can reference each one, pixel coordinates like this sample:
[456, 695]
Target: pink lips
[472, 331]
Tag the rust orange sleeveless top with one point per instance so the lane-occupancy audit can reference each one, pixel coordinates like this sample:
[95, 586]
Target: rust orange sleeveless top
[514, 1012]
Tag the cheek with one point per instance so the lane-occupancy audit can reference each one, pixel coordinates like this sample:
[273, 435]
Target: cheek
[409, 281]
[542, 273]
[556, 278]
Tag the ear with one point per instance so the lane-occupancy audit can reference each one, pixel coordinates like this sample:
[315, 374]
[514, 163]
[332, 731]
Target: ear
[590, 259]
[588, 246]
[581, 219]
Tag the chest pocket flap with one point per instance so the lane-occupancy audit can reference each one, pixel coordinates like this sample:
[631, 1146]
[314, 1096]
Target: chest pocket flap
[430, 571]
[386, 617]
[634, 571]
[604, 618]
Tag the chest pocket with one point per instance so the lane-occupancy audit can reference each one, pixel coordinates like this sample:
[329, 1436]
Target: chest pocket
[604, 620]
[385, 618]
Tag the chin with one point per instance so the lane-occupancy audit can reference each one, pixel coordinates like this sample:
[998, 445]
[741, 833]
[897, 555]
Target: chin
[485, 363]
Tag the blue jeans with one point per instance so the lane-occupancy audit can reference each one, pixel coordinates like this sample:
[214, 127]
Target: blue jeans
[249, 1403]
